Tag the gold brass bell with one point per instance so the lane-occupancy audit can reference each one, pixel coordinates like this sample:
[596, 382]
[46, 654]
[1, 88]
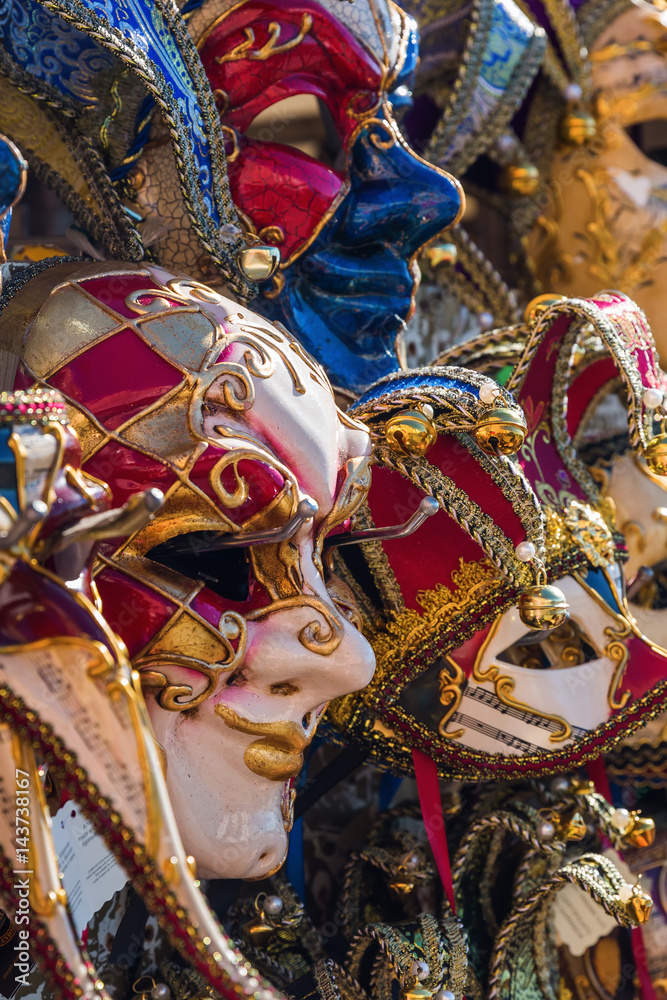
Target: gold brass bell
[543, 607]
[258, 262]
[501, 430]
[401, 887]
[571, 825]
[258, 931]
[539, 305]
[261, 928]
[655, 454]
[639, 905]
[412, 432]
[641, 832]
[577, 127]
[520, 179]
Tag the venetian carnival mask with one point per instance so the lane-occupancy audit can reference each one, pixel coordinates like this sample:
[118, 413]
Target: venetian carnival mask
[160, 100]
[74, 724]
[605, 222]
[464, 673]
[348, 223]
[239, 632]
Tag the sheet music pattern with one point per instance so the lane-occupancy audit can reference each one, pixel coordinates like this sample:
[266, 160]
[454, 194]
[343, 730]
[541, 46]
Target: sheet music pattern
[484, 729]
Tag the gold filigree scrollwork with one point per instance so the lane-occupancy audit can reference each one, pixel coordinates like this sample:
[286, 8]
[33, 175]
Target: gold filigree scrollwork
[231, 134]
[272, 47]
[376, 140]
[239, 496]
[617, 651]
[233, 384]
[315, 637]
[451, 679]
[504, 687]
[179, 697]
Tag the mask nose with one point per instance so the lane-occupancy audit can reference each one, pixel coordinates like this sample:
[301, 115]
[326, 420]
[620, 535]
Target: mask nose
[396, 198]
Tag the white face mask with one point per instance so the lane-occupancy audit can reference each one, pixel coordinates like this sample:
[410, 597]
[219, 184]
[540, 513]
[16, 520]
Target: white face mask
[532, 691]
[230, 760]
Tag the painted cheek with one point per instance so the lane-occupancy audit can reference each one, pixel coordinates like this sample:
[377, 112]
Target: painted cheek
[277, 185]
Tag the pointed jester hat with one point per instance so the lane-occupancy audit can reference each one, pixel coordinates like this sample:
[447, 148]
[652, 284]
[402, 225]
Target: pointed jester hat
[78, 85]
[460, 677]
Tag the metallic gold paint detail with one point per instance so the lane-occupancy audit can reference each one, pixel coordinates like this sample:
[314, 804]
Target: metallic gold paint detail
[411, 433]
[504, 686]
[210, 654]
[617, 651]
[278, 754]
[170, 871]
[287, 801]
[277, 285]
[232, 134]
[451, 680]
[162, 754]
[415, 991]
[271, 234]
[272, 47]
[543, 607]
[500, 430]
[312, 636]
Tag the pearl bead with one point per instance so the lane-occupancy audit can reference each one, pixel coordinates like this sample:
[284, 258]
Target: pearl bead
[625, 893]
[160, 992]
[410, 862]
[506, 143]
[420, 970]
[620, 818]
[653, 398]
[525, 551]
[488, 392]
[546, 830]
[427, 410]
[560, 786]
[444, 995]
[572, 92]
[485, 320]
[273, 905]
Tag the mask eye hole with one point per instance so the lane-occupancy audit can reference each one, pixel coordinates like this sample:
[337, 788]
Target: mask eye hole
[566, 646]
[651, 138]
[226, 571]
[652, 594]
[303, 122]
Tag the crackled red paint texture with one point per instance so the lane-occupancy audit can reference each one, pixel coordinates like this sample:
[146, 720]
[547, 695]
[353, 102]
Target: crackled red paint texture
[245, 65]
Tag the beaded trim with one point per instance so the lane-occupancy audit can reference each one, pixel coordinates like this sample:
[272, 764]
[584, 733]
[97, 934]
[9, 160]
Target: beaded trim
[34, 406]
[205, 225]
[57, 974]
